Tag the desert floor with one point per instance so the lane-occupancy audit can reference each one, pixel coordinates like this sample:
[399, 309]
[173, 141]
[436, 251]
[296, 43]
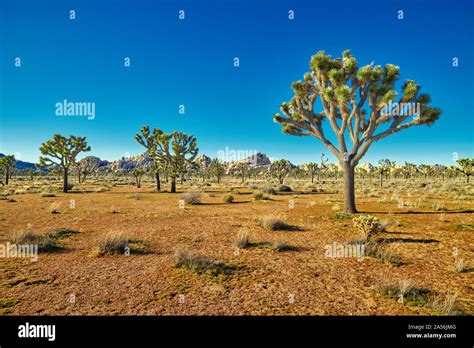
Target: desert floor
[424, 234]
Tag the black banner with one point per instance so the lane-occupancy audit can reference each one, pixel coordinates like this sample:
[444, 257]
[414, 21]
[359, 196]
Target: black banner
[225, 331]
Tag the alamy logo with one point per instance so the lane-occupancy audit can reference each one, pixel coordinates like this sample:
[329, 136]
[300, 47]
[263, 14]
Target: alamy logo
[37, 331]
[337, 250]
[19, 251]
[67, 108]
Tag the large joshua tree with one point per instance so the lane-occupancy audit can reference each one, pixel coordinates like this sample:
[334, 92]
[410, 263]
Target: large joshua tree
[61, 152]
[177, 151]
[148, 140]
[356, 102]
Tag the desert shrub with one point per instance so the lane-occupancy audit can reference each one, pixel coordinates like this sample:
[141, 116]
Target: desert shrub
[260, 196]
[228, 198]
[438, 207]
[191, 261]
[47, 194]
[269, 191]
[280, 245]
[111, 243]
[459, 266]
[54, 208]
[242, 241]
[191, 197]
[405, 291]
[284, 188]
[367, 225]
[377, 251]
[45, 242]
[273, 223]
[447, 305]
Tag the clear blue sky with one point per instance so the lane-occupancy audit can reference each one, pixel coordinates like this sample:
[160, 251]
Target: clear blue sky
[190, 62]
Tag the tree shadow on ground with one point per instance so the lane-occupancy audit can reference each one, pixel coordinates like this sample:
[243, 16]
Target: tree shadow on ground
[406, 240]
[468, 211]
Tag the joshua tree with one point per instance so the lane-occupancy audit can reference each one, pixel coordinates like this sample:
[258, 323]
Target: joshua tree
[85, 167]
[312, 168]
[280, 169]
[466, 166]
[408, 169]
[176, 151]
[61, 151]
[8, 163]
[425, 169]
[356, 102]
[137, 174]
[217, 169]
[148, 141]
[242, 170]
[385, 166]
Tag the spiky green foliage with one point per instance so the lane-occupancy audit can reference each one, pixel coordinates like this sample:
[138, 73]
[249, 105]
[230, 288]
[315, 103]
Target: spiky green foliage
[355, 104]
[312, 169]
[243, 170]
[408, 169]
[7, 164]
[176, 151]
[466, 166]
[217, 169]
[280, 170]
[148, 140]
[137, 174]
[62, 152]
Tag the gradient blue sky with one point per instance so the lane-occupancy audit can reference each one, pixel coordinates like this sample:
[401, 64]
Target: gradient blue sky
[190, 62]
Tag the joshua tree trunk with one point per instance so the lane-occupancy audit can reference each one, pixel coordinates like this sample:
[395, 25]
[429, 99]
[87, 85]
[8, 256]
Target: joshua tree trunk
[158, 185]
[65, 184]
[218, 179]
[7, 175]
[312, 178]
[173, 184]
[349, 189]
[381, 179]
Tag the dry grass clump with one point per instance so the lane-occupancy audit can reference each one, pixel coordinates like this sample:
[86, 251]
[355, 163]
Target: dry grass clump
[47, 194]
[280, 245]
[242, 241]
[191, 197]
[367, 225]
[54, 208]
[269, 191]
[200, 264]
[447, 305]
[405, 291]
[459, 266]
[228, 198]
[260, 196]
[46, 243]
[273, 223]
[377, 251]
[111, 243]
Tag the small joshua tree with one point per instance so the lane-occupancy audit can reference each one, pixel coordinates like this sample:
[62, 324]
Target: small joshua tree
[356, 102]
[408, 170]
[85, 167]
[280, 169]
[466, 166]
[385, 166]
[242, 170]
[8, 163]
[137, 174]
[312, 169]
[217, 169]
[62, 152]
